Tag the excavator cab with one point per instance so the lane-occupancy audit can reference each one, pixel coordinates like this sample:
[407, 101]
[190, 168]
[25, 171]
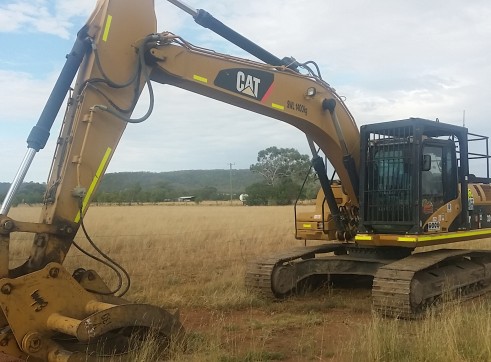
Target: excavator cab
[414, 180]
[410, 179]
[415, 187]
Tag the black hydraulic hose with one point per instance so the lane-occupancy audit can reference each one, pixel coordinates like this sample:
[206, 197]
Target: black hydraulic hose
[320, 168]
[141, 60]
[109, 262]
[306, 65]
[348, 161]
[40, 132]
[205, 19]
[105, 78]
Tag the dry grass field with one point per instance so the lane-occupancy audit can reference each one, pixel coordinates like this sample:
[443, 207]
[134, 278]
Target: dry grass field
[193, 257]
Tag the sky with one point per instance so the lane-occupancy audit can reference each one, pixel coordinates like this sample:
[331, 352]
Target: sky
[390, 59]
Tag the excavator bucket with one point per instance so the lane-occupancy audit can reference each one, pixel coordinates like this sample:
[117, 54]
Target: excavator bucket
[65, 322]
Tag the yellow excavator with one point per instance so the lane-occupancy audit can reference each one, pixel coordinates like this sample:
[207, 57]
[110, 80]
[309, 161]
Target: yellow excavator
[402, 185]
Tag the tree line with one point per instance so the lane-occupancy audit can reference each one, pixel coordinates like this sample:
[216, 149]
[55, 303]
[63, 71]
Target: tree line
[279, 177]
[31, 193]
[161, 192]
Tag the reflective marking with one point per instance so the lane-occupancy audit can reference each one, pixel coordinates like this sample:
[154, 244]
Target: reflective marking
[307, 226]
[277, 106]
[363, 237]
[405, 238]
[95, 180]
[200, 79]
[455, 235]
[106, 29]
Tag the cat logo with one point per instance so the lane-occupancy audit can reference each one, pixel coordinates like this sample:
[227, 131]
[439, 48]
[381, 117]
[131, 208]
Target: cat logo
[247, 84]
[252, 83]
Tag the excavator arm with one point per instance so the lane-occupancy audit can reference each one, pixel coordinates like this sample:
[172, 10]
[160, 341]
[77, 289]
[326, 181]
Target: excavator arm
[302, 101]
[110, 80]
[111, 75]
[117, 54]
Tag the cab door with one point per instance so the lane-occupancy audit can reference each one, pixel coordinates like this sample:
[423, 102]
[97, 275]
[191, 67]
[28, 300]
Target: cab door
[438, 181]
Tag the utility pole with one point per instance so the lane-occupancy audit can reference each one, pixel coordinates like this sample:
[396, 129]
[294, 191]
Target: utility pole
[231, 193]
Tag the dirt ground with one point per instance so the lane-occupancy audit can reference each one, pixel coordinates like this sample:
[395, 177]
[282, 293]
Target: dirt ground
[315, 327]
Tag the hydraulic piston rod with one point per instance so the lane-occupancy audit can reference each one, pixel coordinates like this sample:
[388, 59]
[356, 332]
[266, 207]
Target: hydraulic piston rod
[19, 177]
[206, 20]
[185, 7]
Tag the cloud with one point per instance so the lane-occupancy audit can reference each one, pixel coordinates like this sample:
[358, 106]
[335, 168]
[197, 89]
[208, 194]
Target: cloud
[391, 59]
[21, 103]
[433, 55]
[208, 134]
[24, 96]
[42, 16]
[73, 8]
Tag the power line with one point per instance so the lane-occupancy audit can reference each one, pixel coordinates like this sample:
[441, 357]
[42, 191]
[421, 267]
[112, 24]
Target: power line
[231, 192]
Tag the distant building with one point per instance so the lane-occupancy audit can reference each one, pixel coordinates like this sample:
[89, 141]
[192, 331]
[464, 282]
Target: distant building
[186, 198]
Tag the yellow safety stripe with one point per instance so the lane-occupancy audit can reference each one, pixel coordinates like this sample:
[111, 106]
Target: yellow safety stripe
[106, 28]
[95, 180]
[200, 79]
[455, 235]
[416, 239]
[363, 237]
[407, 239]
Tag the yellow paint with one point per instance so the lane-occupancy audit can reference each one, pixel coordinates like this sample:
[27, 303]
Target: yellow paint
[307, 226]
[363, 237]
[106, 28]
[95, 180]
[448, 236]
[277, 106]
[407, 239]
[200, 79]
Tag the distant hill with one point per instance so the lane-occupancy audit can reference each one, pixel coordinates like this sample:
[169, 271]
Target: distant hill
[186, 180]
[4, 187]
[29, 192]
[156, 186]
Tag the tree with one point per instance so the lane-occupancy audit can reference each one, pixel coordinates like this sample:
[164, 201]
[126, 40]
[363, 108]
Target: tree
[276, 164]
[286, 192]
[206, 193]
[30, 193]
[284, 171]
[259, 194]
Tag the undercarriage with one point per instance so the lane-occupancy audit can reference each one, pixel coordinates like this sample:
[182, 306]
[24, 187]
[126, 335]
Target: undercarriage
[405, 284]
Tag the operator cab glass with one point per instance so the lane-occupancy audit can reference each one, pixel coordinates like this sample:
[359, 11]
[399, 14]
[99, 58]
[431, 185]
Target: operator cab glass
[438, 177]
[389, 179]
[409, 175]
